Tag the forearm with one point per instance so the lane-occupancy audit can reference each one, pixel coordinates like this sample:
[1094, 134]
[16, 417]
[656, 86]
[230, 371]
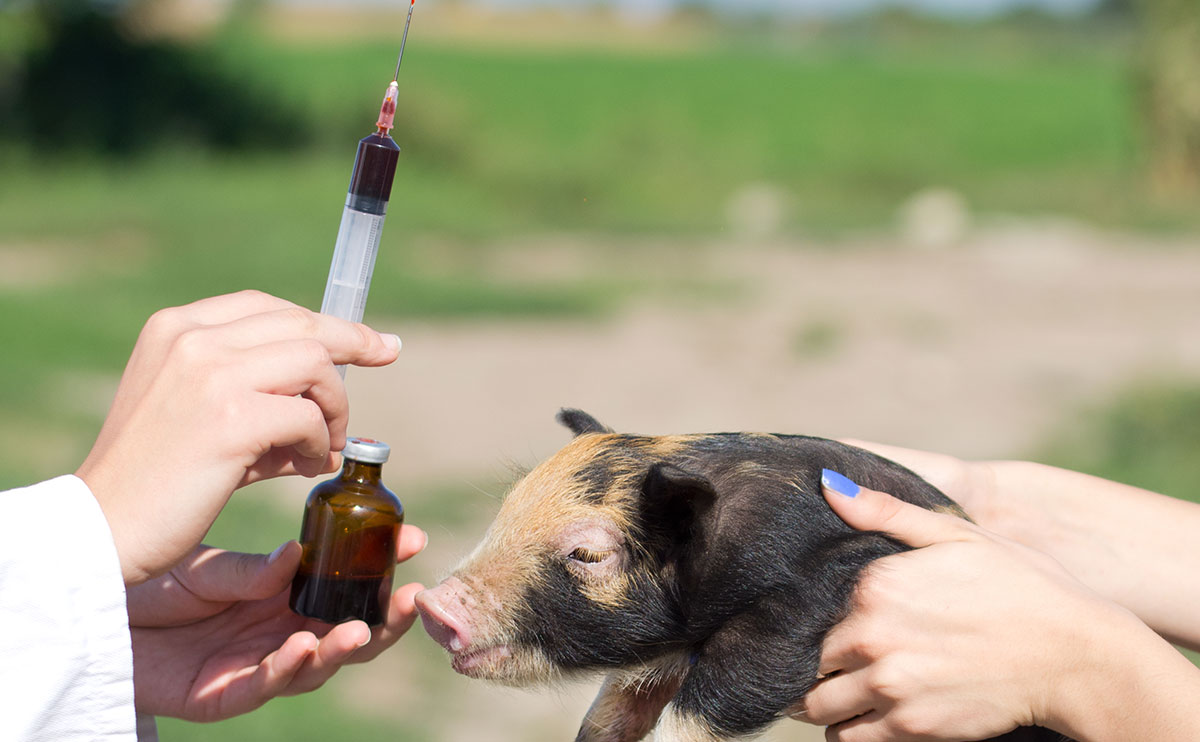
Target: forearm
[1134, 547]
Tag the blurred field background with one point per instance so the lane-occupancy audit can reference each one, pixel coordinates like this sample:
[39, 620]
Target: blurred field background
[975, 233]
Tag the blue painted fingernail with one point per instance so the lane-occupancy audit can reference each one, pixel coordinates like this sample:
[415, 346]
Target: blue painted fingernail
[838, 483]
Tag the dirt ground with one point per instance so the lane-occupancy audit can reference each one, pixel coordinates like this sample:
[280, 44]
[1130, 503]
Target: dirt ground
[976, 351]
[979, 350]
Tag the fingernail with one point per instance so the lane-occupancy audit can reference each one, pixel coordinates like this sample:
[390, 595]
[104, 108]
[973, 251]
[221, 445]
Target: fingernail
[393, 340]
[366, 641]
[838, 483]
[277, 553]
[423, 543]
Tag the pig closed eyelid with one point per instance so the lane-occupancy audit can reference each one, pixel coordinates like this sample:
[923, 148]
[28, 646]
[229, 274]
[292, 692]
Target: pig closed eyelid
[588, 556]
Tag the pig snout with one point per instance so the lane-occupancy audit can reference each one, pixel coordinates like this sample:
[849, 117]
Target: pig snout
[453, 618]
[445, 615]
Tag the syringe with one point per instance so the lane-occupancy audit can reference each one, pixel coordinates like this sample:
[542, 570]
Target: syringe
[366, 204]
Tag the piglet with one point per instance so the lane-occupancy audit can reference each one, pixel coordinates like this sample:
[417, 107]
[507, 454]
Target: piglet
[700, 573]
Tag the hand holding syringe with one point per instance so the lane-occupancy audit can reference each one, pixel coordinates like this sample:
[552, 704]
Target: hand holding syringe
[366, 204]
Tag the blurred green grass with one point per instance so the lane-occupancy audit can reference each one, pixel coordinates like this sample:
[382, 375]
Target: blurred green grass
[312, 717]
[505, 141]
[502, 140]
[658, 141]
[1147, 437]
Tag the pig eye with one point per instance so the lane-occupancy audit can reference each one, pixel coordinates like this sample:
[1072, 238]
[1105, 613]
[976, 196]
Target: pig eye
[587, 556]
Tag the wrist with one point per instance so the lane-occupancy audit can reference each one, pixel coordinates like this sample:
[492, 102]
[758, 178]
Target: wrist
[992, 502]
[1091, 678]
[118, 520]
[1121, 681]
[1014, 501]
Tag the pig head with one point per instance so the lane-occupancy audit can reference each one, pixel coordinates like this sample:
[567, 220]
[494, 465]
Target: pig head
[700, 572]
[574, 572]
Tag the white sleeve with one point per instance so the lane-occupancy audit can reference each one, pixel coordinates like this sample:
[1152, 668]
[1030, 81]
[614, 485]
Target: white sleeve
[66, 663]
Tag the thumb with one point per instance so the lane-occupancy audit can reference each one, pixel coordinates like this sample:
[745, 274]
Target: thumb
[868, 510]
[226, 576]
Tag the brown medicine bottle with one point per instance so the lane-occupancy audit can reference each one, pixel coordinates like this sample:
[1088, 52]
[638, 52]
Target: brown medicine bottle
[349, 534]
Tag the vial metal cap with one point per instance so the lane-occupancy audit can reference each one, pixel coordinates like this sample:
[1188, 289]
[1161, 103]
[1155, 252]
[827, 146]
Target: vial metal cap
[366, 450]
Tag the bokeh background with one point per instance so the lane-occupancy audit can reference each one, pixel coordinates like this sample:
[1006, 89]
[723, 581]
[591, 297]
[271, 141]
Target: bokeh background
[961, 225]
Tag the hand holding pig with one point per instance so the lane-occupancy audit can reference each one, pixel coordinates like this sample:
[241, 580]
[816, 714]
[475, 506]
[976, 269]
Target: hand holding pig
[1134, 547]
[972, 635]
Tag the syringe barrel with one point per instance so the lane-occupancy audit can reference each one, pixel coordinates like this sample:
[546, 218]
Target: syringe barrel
[353, 263]
[362, 224]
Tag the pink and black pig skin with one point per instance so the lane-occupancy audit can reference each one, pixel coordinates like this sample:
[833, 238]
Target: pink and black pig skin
[699, 572]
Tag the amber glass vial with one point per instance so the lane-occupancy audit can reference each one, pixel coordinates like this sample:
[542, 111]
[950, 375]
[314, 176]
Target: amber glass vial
[349, 534]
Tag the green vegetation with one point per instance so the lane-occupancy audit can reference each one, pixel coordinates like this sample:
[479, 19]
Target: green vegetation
[598, 140]
[313, 717]
[817, 339]
[1148, 437]
[504, 141]
[497, 141]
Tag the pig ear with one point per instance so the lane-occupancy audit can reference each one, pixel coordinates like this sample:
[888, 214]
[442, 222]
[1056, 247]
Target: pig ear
[672, 502]
[580, 422]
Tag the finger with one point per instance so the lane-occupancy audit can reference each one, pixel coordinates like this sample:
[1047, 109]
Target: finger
[402, 613]
[218, 310]
[167, 324]
[346, 342]
[868, 510]
[309, 467]
[296, 367]
[412, 541]
[838, 698]
[279, 668]
[278, 463]
[335, 649]
[282, 422]
[843, 649]
[226, 576]
[869, 727]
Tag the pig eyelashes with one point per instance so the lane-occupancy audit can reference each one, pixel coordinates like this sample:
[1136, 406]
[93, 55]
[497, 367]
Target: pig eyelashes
[588, 556]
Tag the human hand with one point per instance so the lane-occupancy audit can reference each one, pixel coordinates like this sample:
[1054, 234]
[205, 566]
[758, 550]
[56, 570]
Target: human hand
[1133, 547]
[218, 394]
[965, 638]
[214, 637]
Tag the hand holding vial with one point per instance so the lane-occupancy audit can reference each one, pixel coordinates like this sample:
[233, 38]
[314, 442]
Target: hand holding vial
[218, 394]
